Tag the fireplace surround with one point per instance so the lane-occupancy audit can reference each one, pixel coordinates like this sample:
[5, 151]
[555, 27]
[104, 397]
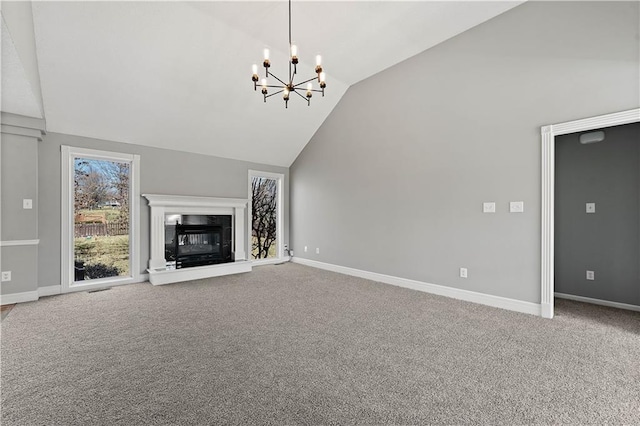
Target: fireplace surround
[196, 237]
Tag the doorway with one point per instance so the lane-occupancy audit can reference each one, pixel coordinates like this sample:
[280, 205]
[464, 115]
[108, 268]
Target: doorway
[597, 216]
[549, 134]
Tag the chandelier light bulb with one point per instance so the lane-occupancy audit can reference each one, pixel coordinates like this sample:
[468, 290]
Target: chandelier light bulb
[266, 54]
[318, 60]
[294, 50]
[323, 77]
[264, 89]
[254, 76]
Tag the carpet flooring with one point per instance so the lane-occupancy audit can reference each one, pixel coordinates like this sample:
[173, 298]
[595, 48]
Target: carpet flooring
[290, 344]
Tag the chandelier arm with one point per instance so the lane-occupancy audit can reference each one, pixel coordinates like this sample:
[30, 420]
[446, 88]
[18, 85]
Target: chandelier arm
[292, 73]
[274, 93]
[296, 92]
[306, 81]
[273, 86]
[283, 83]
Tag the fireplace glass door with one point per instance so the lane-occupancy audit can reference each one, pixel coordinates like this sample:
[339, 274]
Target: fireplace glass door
[197, 240]
[197, 245]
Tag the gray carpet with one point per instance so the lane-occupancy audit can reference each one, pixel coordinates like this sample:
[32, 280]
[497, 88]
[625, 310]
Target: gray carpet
[294, 345]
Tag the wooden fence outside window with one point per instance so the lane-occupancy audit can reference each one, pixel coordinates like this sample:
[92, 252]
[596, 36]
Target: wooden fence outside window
[101, 229]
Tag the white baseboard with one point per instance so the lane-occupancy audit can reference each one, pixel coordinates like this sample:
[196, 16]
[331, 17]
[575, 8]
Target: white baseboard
[27, 296]
[49, 290]
[456, 293]
[100, 283]
[272, 261]
[598, 302]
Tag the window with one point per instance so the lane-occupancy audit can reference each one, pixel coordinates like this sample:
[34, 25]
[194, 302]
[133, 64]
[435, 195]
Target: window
[100, 213]
[265, 216]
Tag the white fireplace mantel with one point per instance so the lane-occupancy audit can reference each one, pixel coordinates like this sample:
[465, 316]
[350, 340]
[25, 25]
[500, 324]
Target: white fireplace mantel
[185, 201]
[162, 205]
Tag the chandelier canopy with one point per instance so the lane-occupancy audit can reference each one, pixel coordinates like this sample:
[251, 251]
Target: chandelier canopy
[290, 86]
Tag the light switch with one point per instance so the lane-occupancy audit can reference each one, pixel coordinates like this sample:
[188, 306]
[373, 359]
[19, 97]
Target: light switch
[591, 275]
[516, 207]
[488, 207]
[591, 207]
[27, 203]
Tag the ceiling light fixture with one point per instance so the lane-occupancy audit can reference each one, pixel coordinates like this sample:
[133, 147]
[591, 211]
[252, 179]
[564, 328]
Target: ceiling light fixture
[289, 87]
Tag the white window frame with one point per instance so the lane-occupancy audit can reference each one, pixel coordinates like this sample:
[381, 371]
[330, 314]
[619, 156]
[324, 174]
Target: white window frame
[279, 178]
[68, 155]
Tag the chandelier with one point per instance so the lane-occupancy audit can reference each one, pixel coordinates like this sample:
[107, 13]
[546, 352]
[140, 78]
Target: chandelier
[289, 87]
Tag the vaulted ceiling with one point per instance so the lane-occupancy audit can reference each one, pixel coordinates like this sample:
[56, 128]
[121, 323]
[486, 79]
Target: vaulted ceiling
[177, 75]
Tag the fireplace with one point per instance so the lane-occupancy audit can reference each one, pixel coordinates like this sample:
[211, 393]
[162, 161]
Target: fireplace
[196, 237]
[197, 240]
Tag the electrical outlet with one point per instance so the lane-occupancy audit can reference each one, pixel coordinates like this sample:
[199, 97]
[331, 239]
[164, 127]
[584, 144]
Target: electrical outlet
[305, 249]
[6, 275]
[591, 207]
[516, 207]
[488, 207]
[463, 272]
[317, 250]
[27, 203]
[591, 275]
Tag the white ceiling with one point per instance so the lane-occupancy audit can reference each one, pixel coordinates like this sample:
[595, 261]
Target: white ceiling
[17, 94]
[178, 74]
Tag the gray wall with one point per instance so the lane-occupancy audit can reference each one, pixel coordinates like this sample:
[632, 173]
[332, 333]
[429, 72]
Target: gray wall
[394, 180]
[19, 180]
[161, 172]
[607, 241]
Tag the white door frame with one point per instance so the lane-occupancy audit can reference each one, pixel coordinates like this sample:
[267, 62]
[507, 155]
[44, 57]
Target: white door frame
[68, 155]
[548, 188]
[279, 178]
